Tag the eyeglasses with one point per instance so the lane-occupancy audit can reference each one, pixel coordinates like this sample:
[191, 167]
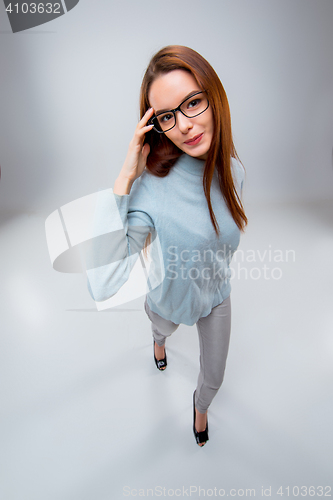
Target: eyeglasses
[192, 106]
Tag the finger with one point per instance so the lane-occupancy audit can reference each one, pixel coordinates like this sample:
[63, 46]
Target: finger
[143, 157]
[142, 131]
[146, 128]
[148, 114]
[150, 111]
[145, 151]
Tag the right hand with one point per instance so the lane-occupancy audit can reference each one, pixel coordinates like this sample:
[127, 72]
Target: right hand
[137, 154]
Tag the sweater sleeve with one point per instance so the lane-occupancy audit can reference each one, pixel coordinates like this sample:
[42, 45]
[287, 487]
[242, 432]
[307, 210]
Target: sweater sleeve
[120, 228]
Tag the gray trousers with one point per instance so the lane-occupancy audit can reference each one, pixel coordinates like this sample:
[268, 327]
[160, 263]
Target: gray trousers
[214, 336]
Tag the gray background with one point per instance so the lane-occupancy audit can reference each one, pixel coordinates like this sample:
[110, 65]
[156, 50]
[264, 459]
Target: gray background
[69, 93]
[84, 412]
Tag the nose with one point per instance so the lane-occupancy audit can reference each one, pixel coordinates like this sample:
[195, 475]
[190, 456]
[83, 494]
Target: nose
[184, 123]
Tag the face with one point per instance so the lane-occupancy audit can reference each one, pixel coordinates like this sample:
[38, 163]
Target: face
[167, 92]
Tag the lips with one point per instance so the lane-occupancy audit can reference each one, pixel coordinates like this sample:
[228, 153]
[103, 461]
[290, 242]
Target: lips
[194, 140]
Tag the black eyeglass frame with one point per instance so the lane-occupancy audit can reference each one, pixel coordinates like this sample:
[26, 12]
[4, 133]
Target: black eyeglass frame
[173, 111]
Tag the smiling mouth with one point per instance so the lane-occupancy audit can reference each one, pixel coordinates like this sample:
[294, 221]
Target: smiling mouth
[195, 139]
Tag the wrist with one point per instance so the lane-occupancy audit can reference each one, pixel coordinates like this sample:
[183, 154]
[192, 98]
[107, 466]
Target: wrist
[122, 185]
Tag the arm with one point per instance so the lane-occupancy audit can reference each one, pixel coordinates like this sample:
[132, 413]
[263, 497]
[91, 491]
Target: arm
[122, 221]
[121, 226]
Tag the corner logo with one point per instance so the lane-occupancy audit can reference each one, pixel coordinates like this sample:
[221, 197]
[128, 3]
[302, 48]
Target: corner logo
[25, 15]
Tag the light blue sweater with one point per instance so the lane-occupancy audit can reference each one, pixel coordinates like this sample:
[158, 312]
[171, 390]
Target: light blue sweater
[194, 262]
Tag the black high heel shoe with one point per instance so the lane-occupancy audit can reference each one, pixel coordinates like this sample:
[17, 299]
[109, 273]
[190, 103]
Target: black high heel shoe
[200, 437]
[160, 363]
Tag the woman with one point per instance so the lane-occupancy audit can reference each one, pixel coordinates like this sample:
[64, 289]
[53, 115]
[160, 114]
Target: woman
[181, 183]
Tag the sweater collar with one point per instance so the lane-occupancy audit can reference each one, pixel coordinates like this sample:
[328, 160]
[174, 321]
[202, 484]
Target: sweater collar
[191, 165]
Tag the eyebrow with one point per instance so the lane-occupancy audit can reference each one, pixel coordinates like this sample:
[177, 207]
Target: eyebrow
[186, 97]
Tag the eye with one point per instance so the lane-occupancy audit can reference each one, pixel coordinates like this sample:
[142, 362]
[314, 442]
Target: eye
[194, 102]
[165, 118]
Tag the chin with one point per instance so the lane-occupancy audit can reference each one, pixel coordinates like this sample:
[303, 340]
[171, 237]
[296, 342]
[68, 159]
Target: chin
[200, 152]
[201, 155]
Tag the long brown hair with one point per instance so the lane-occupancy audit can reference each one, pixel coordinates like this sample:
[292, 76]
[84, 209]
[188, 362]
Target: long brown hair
[163, 153]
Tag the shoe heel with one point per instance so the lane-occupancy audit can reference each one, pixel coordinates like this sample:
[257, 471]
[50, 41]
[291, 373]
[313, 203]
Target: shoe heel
[200, 437]
[160, 363]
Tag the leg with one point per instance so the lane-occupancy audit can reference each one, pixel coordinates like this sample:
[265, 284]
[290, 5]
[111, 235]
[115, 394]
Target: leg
[214, 336]
[161, 329]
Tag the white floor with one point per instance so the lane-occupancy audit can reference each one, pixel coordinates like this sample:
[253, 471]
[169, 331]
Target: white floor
[85, 414]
